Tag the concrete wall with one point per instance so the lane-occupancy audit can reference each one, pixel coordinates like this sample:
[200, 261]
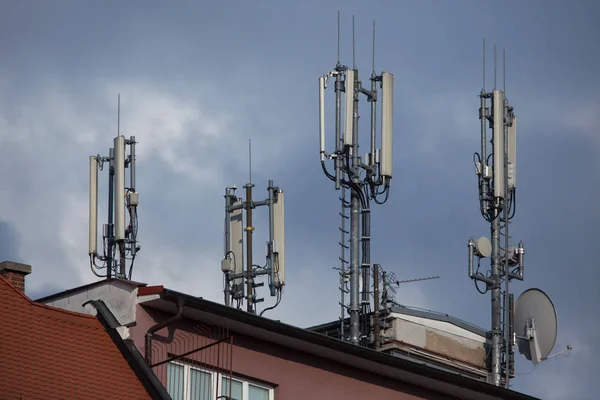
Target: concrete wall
[295, 375]
[120, 297]
[439, 338]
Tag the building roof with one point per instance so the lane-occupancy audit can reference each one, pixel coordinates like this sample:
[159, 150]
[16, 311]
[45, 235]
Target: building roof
[304, 340]
[55, 354]
[416, 312]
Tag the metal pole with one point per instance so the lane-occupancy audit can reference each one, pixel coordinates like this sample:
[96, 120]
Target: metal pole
[373, 114]
[227, 244]
[132, 187]
[249, 229]
[271, 238]
[496, 303]
[338, 119]
[376, 305]
[506, 255]
[110, 239]
[354, 231]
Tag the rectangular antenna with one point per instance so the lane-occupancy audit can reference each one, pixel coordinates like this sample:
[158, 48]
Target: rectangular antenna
[236, 229]
[322, 115]
[512, 154]
[279, 238]
[387, 123]
[119, 166]
[498, 139]
[93, 214]
[348, 121]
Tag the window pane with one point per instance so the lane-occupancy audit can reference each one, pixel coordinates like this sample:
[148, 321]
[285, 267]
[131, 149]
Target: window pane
[200, 385]
[236, 389]
[175, 381]
[257, 393]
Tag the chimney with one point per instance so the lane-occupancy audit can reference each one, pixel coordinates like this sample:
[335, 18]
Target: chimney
[15, 273]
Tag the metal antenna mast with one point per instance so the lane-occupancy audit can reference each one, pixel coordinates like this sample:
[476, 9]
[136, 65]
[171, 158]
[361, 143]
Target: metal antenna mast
[497, 199]
[116, 234]
[367, 179]
[236, 277]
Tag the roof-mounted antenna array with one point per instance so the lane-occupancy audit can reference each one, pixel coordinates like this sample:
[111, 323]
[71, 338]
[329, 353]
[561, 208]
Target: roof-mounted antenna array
[366, 179]
[240, 282]
[118, 238]
[497, 204]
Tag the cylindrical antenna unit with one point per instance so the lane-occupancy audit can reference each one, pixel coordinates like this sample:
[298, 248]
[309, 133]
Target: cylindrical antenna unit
[349, 117]
[498, 132]
[322, 115]
[387, 124]
[119, 144]
[93, 214]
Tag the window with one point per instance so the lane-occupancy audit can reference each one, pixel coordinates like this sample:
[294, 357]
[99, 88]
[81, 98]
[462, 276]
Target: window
[186, 382]
[243, 390]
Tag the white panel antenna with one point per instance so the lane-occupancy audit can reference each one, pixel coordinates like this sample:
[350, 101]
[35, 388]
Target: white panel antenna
[119, 144]
[498, 141]
[512, 154]
[237, 243]
[322, 84]
[279, 238]
[349, 118]
[387, 120]
[93, 213]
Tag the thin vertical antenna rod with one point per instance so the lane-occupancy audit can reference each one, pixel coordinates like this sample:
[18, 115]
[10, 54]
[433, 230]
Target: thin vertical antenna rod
[118, 114]
[483, 71]
[373, 46]
[353, 46]
[338, 39]
[494, 66]
[250, 161]
[504, 71]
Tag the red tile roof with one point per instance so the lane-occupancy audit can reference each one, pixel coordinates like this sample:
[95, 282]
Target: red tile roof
[49, 353]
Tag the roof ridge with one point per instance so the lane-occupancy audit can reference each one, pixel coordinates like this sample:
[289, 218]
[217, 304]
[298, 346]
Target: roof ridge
[44, 306]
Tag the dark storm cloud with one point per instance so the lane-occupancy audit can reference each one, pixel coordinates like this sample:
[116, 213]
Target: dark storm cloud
[260, 62]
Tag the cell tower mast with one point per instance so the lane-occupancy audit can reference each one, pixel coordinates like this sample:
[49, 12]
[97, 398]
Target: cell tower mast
[497, 201]
[366, 179]
[116, 234]
[237, 279]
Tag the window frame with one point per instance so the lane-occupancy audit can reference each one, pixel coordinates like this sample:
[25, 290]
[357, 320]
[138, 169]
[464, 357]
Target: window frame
[217, 377]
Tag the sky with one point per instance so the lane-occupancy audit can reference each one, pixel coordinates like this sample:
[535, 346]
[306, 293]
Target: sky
[198, 79]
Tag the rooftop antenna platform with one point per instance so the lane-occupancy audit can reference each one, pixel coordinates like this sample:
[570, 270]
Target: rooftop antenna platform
[535, 324]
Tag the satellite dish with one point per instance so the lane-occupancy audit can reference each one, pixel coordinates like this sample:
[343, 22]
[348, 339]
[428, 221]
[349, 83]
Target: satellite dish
[535, 325]
[483, 247]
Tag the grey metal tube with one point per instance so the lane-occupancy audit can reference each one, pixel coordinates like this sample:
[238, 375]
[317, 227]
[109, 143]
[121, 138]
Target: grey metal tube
[249, 228]
[354, 232]
[496, 305]
[110, 239]
[471, 246]
[227, 244]
[132, 162]
[338, 137]
[505, 212]
[271, 238]
[132, 187]
[373, 119]
[159, 326]
[376, 305]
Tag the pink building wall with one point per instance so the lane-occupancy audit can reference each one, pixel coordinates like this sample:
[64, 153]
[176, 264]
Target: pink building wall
[295, 375]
